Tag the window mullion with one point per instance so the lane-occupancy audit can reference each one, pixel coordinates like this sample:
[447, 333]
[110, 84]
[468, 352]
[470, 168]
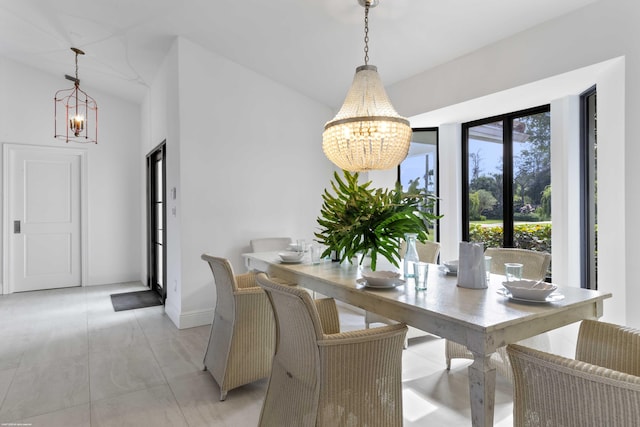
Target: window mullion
[507, 170]
[465, 183]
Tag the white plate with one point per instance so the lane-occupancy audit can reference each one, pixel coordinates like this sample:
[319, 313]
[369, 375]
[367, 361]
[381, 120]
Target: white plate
[556, 296]
[397, 282]
[289, 256]
[530, 289]
[380, 279]
[453, 263]
[298, 261]
[448, 272]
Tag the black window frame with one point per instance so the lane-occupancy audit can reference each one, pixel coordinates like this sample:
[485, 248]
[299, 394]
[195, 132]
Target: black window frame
[437, 165]
[588, 242]
[507, 164]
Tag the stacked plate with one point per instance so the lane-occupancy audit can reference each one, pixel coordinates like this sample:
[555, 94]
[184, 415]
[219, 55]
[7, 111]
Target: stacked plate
[291, 257]
[295, 247]
[381, 279]
[451, 267]
[530, 290]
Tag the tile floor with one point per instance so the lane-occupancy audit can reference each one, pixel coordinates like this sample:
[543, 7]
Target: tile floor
[67, 359]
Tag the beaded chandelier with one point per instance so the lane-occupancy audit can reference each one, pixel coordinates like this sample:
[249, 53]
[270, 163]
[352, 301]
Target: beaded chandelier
[367, 133]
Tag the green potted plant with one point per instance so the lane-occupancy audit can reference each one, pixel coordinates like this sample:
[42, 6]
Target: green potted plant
[358, 219]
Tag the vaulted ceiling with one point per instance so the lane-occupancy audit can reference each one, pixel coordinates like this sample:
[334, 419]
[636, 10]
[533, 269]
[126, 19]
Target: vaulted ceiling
[310, 46]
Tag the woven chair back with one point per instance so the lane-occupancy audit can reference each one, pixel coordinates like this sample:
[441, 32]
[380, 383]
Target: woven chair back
[610, 346]
[225, 285]
[551, 390]
[297, 357]
[534, 264]
[427, 251]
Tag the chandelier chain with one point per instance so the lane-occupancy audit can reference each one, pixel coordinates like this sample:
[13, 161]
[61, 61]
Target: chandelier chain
[366, 32]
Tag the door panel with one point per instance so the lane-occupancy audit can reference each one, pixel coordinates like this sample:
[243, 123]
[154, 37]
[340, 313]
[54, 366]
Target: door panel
[47, 254]
[48, 197]
[44, 195]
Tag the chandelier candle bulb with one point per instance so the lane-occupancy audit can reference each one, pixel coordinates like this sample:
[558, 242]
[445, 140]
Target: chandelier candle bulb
[77, 125]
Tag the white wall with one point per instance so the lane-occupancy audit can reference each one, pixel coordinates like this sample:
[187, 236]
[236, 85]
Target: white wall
[26, 117]
[599, 32]
[250, 165]
[161, 122]
[565, 182]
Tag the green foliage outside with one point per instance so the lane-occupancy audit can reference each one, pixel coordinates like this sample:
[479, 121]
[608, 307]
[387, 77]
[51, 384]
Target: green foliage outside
[526, 217]
[479, 202]
[544, 210]
[531, 175]
[536, 237]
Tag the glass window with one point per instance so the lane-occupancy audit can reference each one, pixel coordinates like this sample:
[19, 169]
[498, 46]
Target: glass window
[422, 164]
[486, 174]
[507, 180]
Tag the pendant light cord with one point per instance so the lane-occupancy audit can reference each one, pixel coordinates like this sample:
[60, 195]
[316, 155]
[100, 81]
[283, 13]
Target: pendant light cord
[77, 82]
[77, 85]
[366, 32]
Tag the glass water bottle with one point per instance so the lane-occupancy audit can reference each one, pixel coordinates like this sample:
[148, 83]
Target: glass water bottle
[410, 255]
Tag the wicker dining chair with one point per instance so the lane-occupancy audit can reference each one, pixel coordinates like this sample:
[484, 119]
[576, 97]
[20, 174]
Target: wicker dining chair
[242, 339]
[427, 252]
[534, 263]
[534, 267]
[551, 390]
[610, 346]
[267, 244]
[321, 377]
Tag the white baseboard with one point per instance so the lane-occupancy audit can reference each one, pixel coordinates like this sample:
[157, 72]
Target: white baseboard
[196, 318]
[190, 319]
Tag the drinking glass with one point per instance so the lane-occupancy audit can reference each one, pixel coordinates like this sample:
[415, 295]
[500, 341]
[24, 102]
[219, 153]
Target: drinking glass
[487, 268]
[315, 253]
[513, 271]
[420, 271]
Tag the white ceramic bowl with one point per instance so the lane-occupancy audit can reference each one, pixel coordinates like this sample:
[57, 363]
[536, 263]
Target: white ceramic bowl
[530, 289]
[381, 278]
[452, 266]
[290, 256]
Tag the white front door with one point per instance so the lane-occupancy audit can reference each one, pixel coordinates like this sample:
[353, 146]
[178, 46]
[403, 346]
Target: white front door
[43, 218]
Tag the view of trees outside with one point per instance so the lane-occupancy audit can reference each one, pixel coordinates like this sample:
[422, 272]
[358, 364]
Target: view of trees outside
[420, 167]
[530, 178]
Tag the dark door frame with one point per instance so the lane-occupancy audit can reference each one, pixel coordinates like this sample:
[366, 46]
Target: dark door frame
[155, 239]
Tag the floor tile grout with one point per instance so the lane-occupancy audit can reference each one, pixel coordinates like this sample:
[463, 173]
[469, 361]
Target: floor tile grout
[445, 393]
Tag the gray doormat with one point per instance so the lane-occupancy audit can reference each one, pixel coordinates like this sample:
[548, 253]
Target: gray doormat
[133, 300]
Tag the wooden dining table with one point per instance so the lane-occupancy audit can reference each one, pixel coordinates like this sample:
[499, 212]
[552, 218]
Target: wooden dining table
[481, 319]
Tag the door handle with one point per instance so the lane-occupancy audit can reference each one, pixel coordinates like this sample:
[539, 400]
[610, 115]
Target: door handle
[16, 227]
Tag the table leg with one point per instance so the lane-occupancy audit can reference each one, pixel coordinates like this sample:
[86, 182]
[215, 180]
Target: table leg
[482, 389]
